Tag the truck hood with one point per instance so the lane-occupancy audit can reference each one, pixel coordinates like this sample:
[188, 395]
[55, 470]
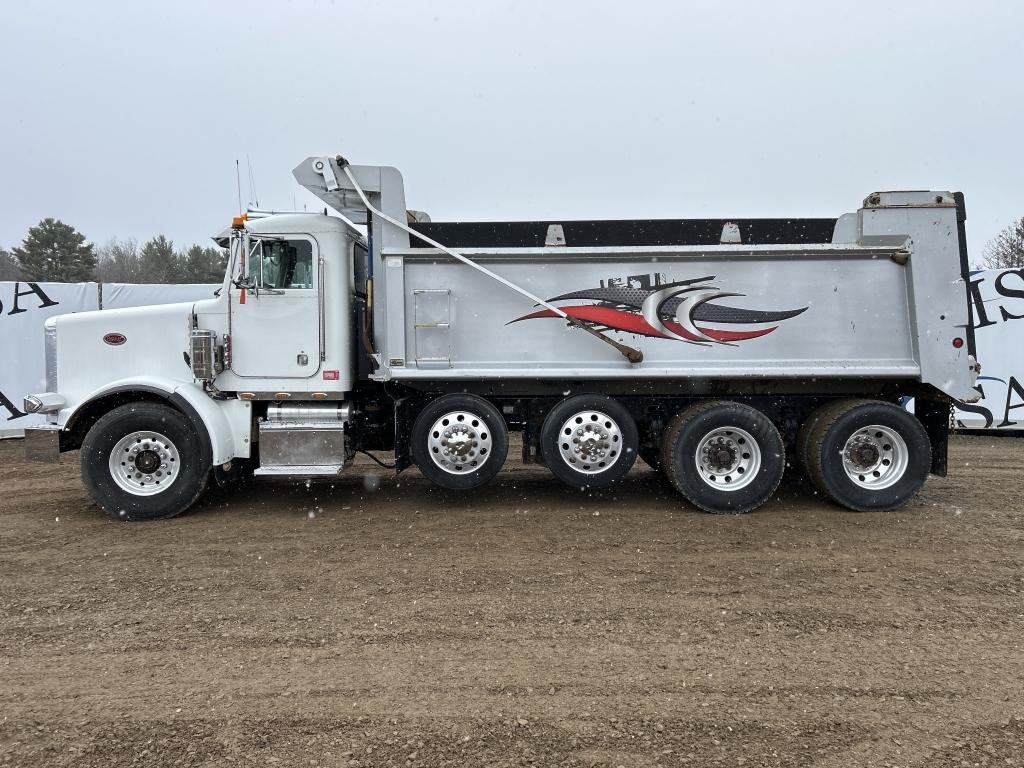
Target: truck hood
[94, 348]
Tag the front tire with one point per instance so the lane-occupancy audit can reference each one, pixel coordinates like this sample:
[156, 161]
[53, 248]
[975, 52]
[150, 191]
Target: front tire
[724, 457]
[459, 442]
[868, 456]
[144, 461]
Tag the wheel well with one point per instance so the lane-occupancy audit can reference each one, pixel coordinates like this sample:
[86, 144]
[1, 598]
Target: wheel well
[82, 421]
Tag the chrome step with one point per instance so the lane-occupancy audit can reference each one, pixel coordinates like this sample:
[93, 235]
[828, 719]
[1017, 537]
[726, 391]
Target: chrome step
[300, 470]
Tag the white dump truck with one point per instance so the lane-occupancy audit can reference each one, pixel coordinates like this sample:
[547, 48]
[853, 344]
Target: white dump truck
[718, 351]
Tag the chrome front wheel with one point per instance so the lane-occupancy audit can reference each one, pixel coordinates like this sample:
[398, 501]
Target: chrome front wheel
[144, 463]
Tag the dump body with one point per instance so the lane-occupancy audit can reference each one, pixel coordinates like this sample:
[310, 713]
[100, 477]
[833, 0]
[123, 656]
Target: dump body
[775, 312]
[888, 304]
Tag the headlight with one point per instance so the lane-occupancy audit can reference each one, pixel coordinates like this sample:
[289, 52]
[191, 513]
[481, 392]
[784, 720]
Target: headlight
[44, 402]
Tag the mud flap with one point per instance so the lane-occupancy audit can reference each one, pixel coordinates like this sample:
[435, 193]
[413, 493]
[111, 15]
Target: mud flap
[933, 413]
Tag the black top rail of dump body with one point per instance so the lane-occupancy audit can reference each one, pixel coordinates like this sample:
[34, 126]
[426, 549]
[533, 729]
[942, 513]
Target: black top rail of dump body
[624, 232]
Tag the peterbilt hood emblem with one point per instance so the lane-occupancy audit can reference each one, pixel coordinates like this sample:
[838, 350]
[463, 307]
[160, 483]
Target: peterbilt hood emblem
[681, 310]
[115, 339]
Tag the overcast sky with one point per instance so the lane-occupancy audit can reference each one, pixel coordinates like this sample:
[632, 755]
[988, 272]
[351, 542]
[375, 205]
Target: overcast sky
[126, 118]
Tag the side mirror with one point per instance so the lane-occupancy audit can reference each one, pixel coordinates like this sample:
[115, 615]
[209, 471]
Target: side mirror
[243, 243]
[246, 245]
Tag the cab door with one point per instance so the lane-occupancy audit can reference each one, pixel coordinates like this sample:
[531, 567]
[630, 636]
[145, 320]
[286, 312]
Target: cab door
[276, 321]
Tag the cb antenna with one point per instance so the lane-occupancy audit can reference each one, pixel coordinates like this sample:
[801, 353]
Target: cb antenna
[252, 183]
[238, 182]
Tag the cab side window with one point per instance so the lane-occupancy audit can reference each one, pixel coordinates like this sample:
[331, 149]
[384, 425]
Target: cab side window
[284, 264]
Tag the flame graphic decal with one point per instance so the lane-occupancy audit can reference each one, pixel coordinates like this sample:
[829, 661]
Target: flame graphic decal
[681, 310]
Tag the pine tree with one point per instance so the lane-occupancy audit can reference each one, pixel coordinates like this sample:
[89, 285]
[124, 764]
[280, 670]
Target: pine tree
[8, 266]
[57, 252]
[203, 265]
[158, 262]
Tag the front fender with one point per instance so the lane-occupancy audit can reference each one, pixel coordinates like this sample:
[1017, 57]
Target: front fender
[225, 424]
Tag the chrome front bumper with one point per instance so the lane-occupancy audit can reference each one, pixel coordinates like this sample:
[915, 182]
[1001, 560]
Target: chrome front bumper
[42, 443]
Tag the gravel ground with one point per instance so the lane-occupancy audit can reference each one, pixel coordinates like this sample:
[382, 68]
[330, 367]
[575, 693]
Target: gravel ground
[379, 621]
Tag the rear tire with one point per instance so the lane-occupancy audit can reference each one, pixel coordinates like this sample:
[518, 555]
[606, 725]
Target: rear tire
[144, 461]
[459, 442]
[868, 456]
[723, 457]
[589, 441]
[803, 437]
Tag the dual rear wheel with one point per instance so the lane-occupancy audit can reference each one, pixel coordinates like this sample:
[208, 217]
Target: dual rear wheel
[723, 457]
[866, 455]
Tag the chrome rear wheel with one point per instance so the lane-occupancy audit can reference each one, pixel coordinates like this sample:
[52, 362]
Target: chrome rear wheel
[460, 441]
[875, 457]
[589, 441]
[728, 458]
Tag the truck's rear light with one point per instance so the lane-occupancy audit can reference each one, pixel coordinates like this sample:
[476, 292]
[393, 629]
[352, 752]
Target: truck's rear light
[331, 375]
[958, 342]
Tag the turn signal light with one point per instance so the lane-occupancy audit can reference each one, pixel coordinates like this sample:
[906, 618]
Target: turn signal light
[958, 342]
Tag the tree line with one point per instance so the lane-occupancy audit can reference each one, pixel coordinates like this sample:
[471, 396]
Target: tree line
[53, 251]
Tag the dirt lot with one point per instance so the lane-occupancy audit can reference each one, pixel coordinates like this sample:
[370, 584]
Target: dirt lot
[390, 623]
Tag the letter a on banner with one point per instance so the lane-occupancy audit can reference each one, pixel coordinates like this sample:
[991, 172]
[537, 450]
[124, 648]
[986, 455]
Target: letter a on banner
[32, 288]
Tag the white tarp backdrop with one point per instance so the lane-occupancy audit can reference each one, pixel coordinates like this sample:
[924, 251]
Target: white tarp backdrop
[24, 308]
[119, 295]
[997, 312]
